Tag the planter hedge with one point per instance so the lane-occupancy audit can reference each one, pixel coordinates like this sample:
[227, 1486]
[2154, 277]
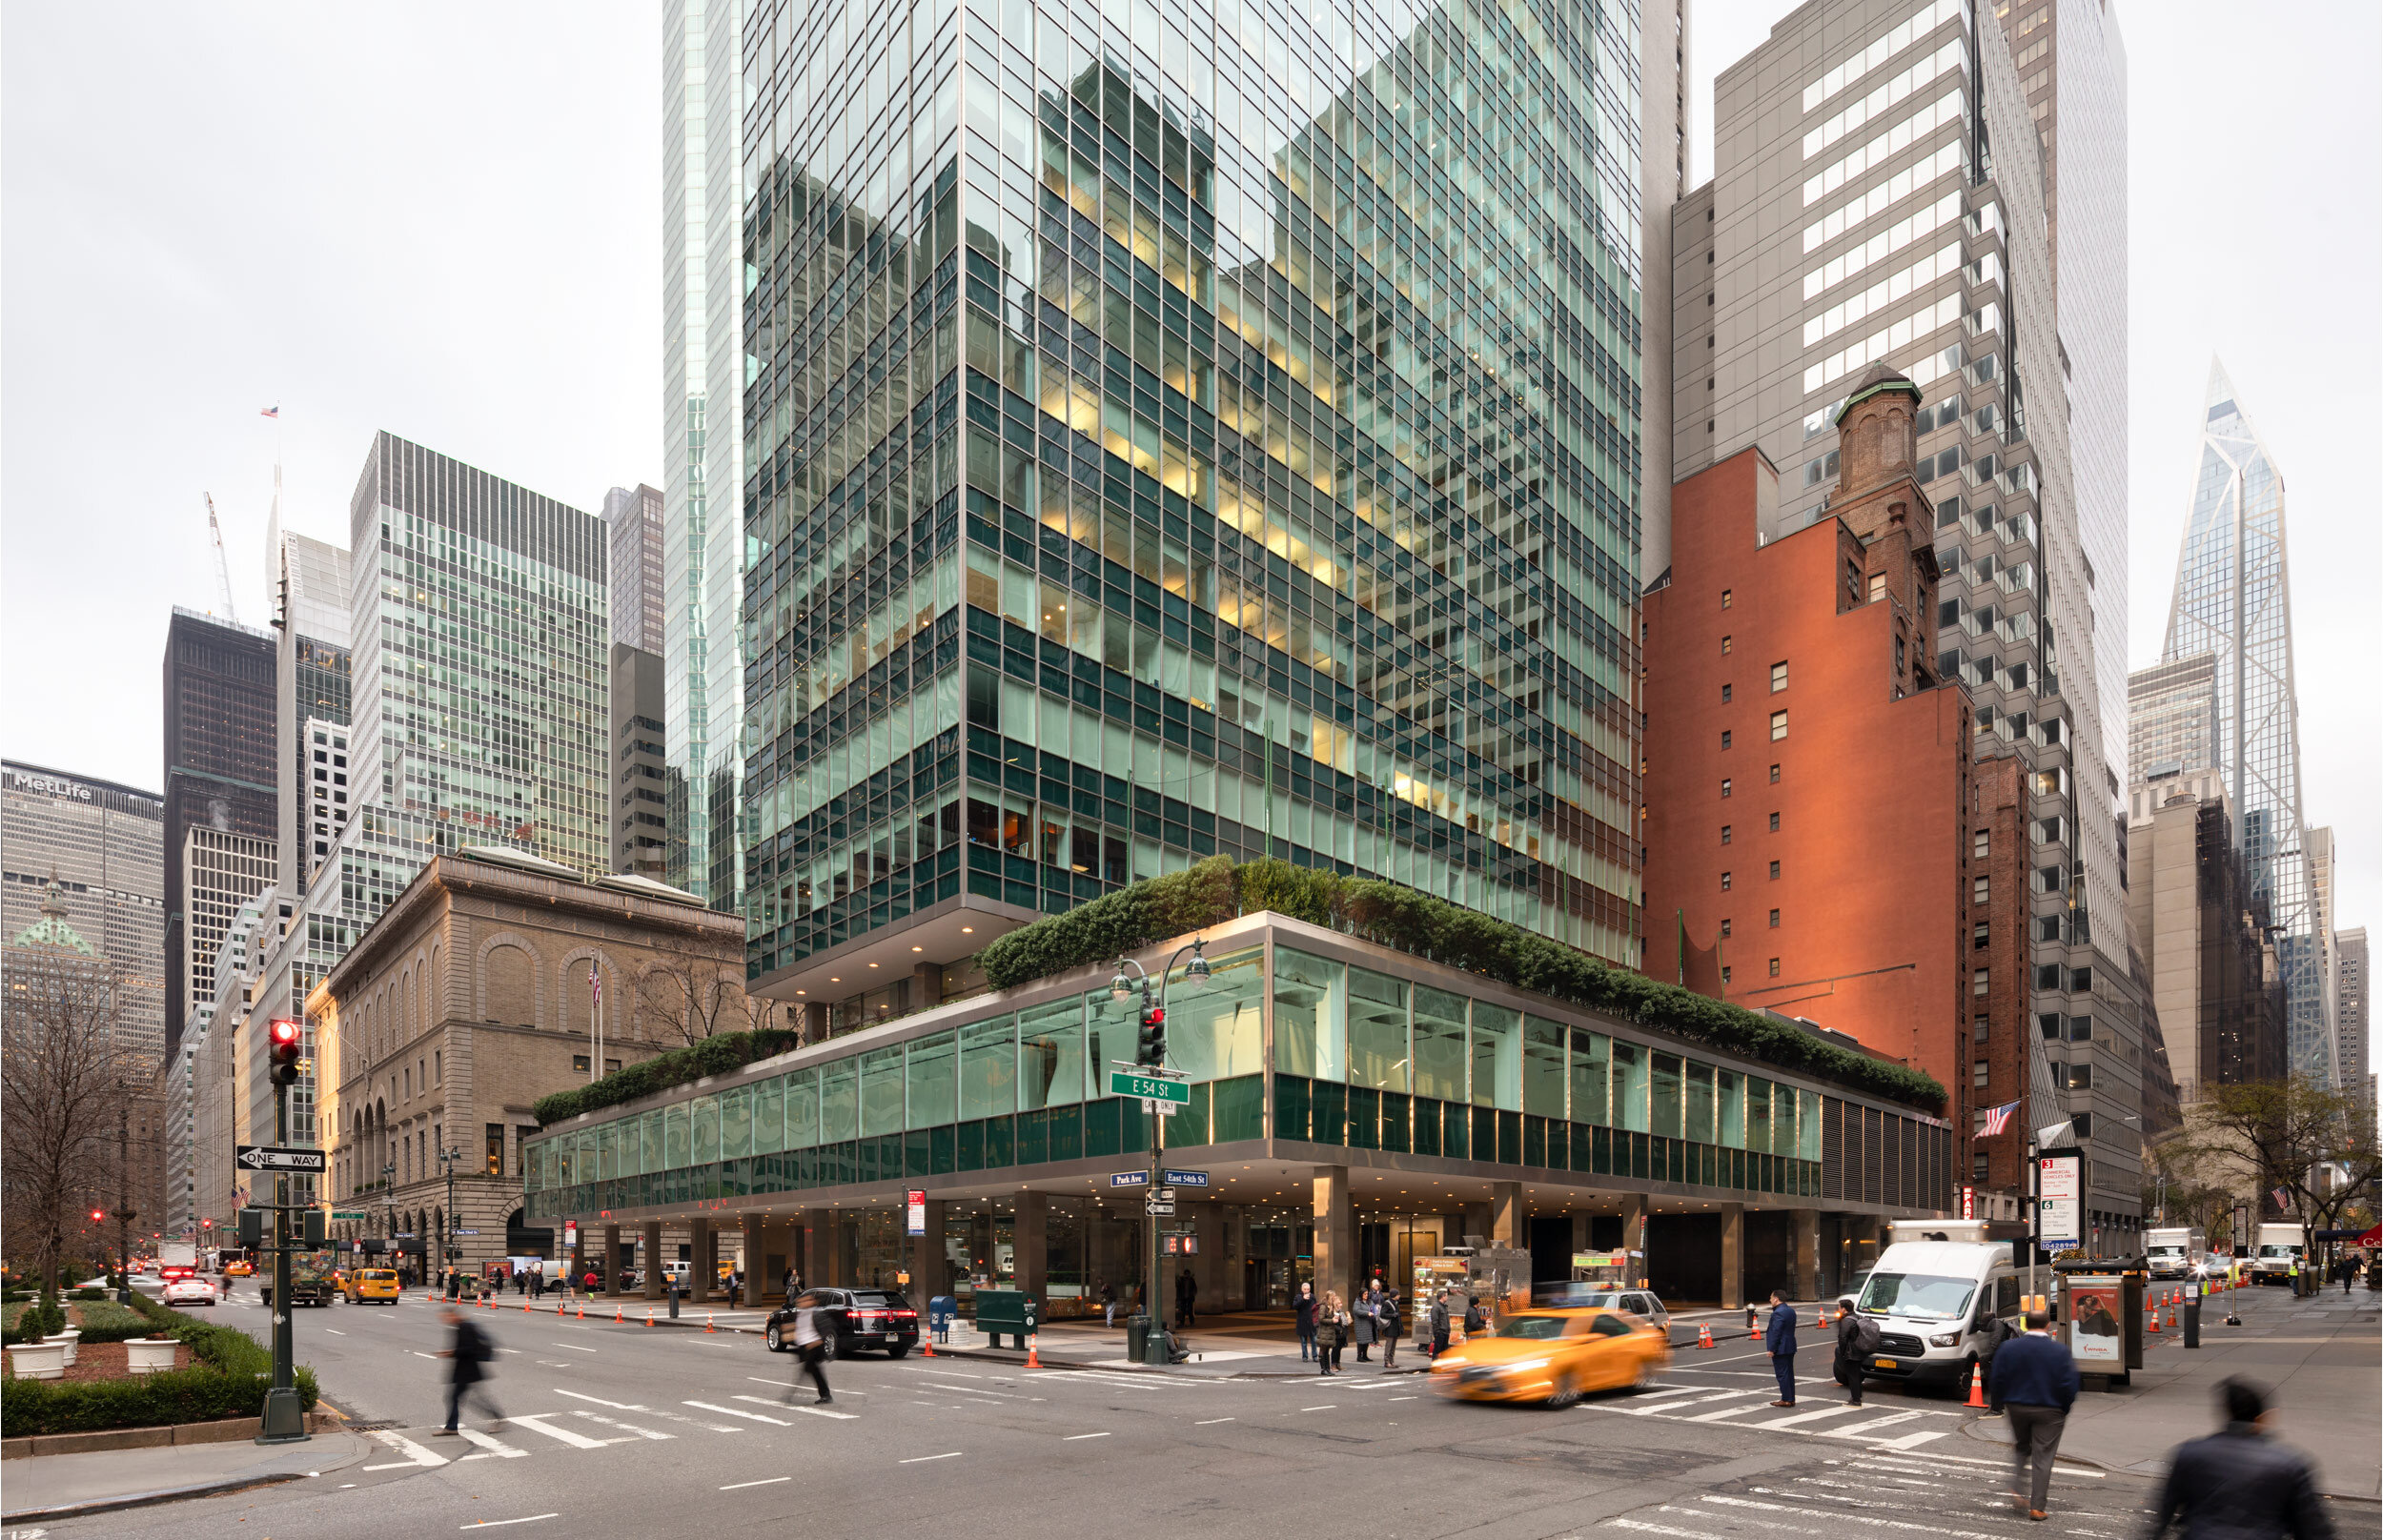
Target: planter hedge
[1394, 915]
[720, 1055]
[108, 1321]
[229, 1379]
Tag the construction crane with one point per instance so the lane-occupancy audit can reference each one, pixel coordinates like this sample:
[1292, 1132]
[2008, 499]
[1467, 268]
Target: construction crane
[223, 568]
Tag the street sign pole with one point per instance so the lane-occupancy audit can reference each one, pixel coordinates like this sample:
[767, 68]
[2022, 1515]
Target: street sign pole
[284, 1421]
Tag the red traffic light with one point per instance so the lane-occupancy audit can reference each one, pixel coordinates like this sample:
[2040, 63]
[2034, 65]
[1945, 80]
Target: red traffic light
[1156, 1016]
[99, 1214]
[286, 1033]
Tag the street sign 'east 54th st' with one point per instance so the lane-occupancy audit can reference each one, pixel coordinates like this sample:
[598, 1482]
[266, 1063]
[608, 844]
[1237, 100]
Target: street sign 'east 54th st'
[279, 1158]
[1154, 1087]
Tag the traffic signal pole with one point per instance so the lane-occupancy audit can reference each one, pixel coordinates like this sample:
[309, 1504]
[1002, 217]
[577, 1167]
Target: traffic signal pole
[284, 1420]
[1149, 1052]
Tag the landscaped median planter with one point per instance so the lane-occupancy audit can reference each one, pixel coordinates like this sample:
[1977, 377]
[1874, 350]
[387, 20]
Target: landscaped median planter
[150, 1355]
[222, 1378]
[38, 1360]
[73, 1337]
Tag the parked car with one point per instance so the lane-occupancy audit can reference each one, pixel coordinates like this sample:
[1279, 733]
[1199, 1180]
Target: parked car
[191, 1290]
[1638, 1302]
[856, 1319]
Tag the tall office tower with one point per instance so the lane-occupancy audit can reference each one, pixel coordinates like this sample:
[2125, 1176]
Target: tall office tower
[635, 588]
[1664, 47]
[638, 774]
[2234, 601]
[2350, 996]
[705, 368]
[2171, 718]
[1220, 436]
[1878, 194]
[310, 580]
[219, 774]
[103, 847]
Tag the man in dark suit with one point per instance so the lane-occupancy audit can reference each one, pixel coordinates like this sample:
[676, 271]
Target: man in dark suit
[2035, 1384]
[1779, 1340]
[2241, 1482]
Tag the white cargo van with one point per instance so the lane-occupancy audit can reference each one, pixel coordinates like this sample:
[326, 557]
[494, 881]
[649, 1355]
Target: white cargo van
[1933, 1302]
[2176, 1251]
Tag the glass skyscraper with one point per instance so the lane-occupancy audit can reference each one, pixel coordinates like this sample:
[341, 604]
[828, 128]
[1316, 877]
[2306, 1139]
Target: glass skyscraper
[2234, 601]
[1179, 429]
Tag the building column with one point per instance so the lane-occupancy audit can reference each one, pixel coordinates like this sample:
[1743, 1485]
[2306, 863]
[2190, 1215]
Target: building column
[1634, 1237]
[814, 1027]
[1208, 1225]
[1732, 1255]
[653, 1259]
[1506, 1214]
[1029, 1243]
[755, 1284]
[926, 1259]
[1335, 1233]
[612, 1262]
[1807, 1253]
[698, 1260]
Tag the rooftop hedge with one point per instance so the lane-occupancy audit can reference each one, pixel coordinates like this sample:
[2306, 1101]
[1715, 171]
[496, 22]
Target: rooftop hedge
[720, 1055]
[1394, 915]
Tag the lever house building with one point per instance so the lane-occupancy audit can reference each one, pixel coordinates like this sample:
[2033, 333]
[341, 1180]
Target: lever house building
[1354, 1107]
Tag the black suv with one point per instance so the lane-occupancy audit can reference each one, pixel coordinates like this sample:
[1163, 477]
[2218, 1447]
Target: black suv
[852, 1319]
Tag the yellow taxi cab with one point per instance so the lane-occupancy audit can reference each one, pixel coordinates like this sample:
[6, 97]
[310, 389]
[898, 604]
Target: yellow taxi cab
[1553, 1356]
[237, 1269]
[372, 1283]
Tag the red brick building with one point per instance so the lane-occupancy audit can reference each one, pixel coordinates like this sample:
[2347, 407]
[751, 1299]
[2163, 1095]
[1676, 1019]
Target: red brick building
[1807, 834]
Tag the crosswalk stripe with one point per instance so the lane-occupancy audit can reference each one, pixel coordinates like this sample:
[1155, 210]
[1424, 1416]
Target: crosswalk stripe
[1865, 1429]
[731, 1411]
[614, 1421]
[654, 1412]
[496, 1450]
[1814, 1416]
[415, 1454]
[561, 1435]
[823, 1412]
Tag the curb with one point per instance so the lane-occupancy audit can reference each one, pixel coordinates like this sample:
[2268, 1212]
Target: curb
[149, 1499]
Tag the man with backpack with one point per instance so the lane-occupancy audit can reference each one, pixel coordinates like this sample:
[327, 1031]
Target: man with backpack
[1857, 1339]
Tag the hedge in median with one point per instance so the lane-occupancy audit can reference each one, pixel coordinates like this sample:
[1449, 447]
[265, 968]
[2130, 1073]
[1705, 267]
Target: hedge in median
[228, 1379]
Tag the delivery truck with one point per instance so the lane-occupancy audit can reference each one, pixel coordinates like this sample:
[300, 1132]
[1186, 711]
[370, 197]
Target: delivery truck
[2176, 1250]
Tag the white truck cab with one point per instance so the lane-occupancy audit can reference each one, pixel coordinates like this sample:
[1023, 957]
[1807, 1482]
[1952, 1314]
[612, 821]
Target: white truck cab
[2176, 1251]
[2280, 1245]
[1935, 1302]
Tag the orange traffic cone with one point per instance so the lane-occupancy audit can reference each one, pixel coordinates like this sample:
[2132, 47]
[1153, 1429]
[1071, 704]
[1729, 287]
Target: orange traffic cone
[649, 1317]
[582, 1313]
[2155, 1319]
[2171, 1316]
[926, 1345]
[1705, 1335]
[525, 1304]
[619, 1315]
[707, 1321]
[1031, 1361]
[1977, 1388]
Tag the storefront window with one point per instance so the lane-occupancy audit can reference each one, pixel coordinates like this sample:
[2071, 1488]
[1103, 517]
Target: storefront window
[802, 1109]
[1217, 1032]
[1496, 1057]
[1440, 1043]
[770, 1119]
[934, 1080]
[736, 1122]
[881, 1092]
[1729, 1097]
[1377, 1031]
[1629, 1087]
[1698, 1080]
[1308, 1006]
[1542, 1067]
[1592, 1069]
[1663, 1095]
[1051, 1055]
[988, 1068]
[839, 1100]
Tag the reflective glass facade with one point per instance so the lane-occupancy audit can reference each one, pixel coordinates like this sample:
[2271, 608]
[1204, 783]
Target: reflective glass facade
[1183, 429]
[2234, 601]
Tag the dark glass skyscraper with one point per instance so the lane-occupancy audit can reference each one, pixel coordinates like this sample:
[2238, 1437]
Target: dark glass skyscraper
[1212, 434]
[220, 774]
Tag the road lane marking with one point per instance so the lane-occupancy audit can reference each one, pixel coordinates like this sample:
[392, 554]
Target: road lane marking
[561, 1435]
[1211, 1422]
[731, 1411]
[1846, 1518]
[653, 1411]
[765, 1481]
[823, 1412]
[415, 1454]
[1865, 1429]
[1807, 1417]
[614, 1421]
[1072, 1437]
[1326, 1407]
[335, 1332]
[495, 1448]
[491, 1524]
[948, 1373]
[1913, 1440]
[616, 1406]
[922, 1459]
[575, 1346]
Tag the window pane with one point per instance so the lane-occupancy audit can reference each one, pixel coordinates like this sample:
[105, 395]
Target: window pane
[1543, 1067]
[736, 1123]
[1808, 1124]
[1377, 1031]
[1440, 1043]
[988, 1068]
[1308, 1008]
[803, 1110]
[651, 1139]
[1758, 1114]
[1113, 1030]
[674, 1137]
[1496, 1057]
[1051, 1055]
[1219, 1031]
[1729, 1092]
[881, 1092]
[1699, 1079]
[839, 1100]
[1663, 1095]
[769, 1117]
[1591, 1069]
[705, 1119]
[934, 1082]
[1629, 1087]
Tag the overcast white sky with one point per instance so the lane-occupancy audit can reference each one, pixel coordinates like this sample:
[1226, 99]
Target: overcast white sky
[442, 219]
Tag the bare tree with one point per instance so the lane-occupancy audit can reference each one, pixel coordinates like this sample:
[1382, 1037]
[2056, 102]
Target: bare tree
[63, 1076]
[2313, 1142]
[691, 998]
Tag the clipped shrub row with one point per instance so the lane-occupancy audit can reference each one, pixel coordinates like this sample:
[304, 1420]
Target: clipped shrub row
[229, 1379]
[1394, 915]
[719, 1055]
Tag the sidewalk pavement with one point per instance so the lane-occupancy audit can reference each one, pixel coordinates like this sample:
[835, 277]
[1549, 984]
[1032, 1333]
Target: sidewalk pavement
[2316, 1356]
[50, 1487]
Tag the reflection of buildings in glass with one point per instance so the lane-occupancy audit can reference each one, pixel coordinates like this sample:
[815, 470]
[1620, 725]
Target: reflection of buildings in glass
[2233, 601]
[1302, 423]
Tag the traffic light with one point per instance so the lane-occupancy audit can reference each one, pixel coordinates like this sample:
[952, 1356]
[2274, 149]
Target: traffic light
[1151, 1047]
[287, 1037]
[312, 1229]
[98, 1214]
[252, 1228]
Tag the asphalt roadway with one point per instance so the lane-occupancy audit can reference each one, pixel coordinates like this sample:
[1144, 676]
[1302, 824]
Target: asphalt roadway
[632, 1431]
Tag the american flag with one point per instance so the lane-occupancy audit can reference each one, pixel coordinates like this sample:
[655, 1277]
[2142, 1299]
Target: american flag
[269, 412]
[1997, 1119]
[2282, 1197]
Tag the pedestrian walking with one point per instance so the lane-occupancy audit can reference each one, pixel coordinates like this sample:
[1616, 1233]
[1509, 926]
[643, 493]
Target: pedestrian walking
[1390, 1326]
[2035, 1379]
[1331, 1322]
[1857, 1339]
[2241, 1482]
[1437, 1319]
[1108, 1303]
[1363, 1324]
[465, 1352]
[794, 1281]
[1303, 1316]
[1187, 1297]
[1779, 1340]
[810, 1346]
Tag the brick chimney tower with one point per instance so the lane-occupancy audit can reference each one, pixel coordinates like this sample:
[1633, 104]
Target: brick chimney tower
[1878, 448]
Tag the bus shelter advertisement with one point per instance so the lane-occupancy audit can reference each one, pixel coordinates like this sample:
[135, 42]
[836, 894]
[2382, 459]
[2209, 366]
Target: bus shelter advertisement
[2097, 1338]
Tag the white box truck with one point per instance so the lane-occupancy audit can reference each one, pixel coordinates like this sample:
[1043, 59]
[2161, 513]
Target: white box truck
[1934, 1302]
[177, 1259]
[2176, 1250]
[2280, 1245]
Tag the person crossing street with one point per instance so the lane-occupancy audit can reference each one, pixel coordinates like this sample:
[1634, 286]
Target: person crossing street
[2240, 1482]
[810, 1346]
[466, 1352]
[1779, 1340]
[1857, 1339]
[2035, 1383]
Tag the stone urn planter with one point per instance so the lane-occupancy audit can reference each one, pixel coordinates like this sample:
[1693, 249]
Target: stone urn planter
[38, 1360]
[143, 1355]
[73, 1337]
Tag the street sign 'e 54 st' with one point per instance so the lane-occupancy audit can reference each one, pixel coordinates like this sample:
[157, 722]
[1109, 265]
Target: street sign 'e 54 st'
[1154, 1087]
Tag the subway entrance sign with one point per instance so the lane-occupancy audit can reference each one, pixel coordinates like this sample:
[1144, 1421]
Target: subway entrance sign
[1154, 1087]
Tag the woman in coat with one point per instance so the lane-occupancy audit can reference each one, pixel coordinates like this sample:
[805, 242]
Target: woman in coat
[1366, 1326]
[1329, 1319]
[1303, 1313]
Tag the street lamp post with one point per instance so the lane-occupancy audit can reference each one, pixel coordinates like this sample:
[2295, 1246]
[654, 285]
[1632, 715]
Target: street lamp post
[124, 1209]
[1150, 1051]
[446, 1242]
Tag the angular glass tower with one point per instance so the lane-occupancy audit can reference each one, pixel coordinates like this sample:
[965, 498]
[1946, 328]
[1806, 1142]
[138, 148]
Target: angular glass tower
[2234, 601]
[1176, 430]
